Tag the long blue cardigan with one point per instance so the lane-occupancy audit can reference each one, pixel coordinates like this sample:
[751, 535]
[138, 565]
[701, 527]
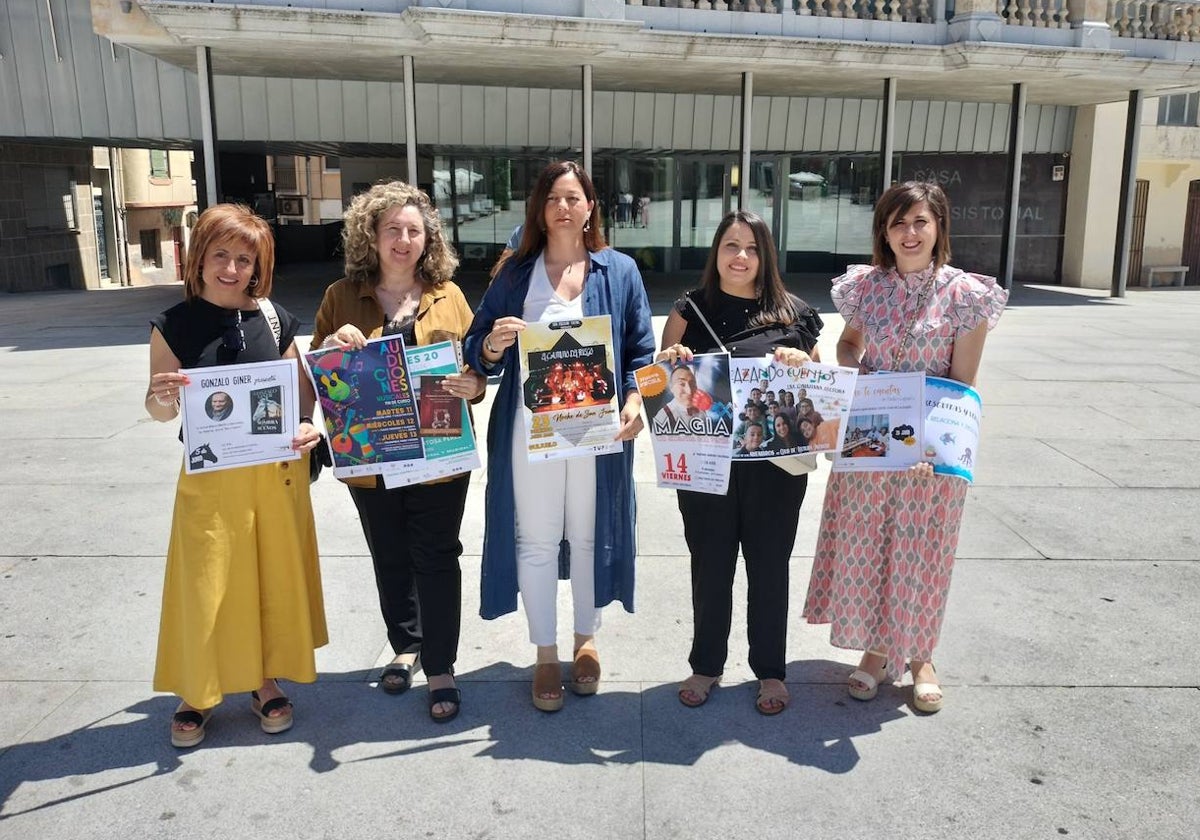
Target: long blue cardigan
[613, 287]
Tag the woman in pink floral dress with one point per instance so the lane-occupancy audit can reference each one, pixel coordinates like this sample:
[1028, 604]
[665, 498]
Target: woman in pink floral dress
[886, 547]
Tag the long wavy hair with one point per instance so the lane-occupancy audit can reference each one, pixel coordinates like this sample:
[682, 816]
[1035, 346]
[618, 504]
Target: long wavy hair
[776, 305]
[898, 200]
[533, 233]
[223, 223]
[436, 264]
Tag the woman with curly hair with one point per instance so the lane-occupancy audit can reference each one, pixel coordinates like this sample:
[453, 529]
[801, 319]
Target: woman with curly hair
[398, 270]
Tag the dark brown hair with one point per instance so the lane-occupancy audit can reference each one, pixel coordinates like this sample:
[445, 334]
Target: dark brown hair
[898, 200]
[777, 306]
[533, 234]
[230, 223]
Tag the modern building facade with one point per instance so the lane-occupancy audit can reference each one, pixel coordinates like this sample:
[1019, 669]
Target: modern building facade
[798, 109]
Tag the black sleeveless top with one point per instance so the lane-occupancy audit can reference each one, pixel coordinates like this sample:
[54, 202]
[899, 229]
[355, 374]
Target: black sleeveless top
[730, 317]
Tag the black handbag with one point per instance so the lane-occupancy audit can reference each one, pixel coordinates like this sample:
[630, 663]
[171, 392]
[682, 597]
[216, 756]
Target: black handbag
[319, 457]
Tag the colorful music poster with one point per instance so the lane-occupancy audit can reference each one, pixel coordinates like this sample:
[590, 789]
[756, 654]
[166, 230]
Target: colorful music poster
[240, 415]
[690, 414]
[366, 399]
[570, 406]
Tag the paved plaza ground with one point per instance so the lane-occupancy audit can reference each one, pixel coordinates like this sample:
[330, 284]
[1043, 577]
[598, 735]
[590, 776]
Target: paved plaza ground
[1068, 654]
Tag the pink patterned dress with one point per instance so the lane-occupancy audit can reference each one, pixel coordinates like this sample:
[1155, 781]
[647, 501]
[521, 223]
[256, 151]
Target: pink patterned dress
[886, 546]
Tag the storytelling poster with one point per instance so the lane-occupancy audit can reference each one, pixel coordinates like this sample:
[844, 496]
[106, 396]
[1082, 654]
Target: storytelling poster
[366, 398]
[690, 414]
[568, 388]
[782, 411]
[952, 419]
[240, 415]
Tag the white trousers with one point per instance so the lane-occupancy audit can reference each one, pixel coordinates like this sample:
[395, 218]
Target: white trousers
[555, 500]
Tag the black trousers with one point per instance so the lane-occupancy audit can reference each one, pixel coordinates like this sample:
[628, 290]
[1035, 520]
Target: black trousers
[412, 533]
[760, 513]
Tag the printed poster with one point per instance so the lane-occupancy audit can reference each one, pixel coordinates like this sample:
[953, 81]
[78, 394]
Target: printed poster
[569, 391]
[898, 419]
[239, 415]
[444, 421]
[690, 417]
[952, 420]
[884, 428]
[782, 411]
[366, 398]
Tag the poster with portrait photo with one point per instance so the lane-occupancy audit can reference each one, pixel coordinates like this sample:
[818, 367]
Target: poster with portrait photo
[690, 419]
[569, 390]
[222, 424]
[439, 410]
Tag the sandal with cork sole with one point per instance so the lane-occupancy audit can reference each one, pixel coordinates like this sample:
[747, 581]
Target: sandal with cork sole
[772, 698]
[272, 724]
[547, 686]
[185, 738]
[585, 672]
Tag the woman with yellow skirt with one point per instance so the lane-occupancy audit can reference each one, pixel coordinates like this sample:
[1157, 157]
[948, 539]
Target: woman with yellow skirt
[242, 599]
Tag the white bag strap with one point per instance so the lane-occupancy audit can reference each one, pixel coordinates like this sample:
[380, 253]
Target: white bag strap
[704, 321]
[268, 310]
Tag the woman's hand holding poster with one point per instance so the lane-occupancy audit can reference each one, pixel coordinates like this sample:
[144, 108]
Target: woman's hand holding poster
[691, 421]
[900, 419]
[568, 388]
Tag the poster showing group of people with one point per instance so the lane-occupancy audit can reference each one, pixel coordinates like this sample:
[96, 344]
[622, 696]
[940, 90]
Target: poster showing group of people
[387, 412]
[713, 410]
[899, 419]
[239, 415]
[569, 399]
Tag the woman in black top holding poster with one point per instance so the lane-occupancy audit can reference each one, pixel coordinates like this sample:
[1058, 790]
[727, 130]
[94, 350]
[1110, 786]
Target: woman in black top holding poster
[242, 598]
[742, 297]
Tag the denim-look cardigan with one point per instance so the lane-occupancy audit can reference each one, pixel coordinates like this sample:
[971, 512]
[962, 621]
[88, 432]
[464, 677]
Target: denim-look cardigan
[613, 287]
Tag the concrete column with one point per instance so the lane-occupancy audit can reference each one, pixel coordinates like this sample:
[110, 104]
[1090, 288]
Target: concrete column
[744, 148]
[587, 118]
[887, 133]
[208, 126]
[1133, 130]
[1012, 186]
[410, 121]
[1092, 187]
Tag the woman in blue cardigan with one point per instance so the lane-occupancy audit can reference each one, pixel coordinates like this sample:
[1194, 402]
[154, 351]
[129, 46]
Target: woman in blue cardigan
[579, 510]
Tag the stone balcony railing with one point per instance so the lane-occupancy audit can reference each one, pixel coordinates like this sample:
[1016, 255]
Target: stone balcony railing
[1171, 20]
[1158, 19]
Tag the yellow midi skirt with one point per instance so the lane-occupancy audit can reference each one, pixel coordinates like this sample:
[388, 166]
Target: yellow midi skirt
[242, 596]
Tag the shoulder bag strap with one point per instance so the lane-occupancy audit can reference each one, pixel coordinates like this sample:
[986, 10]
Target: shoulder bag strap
[704, 321]
[268, 310]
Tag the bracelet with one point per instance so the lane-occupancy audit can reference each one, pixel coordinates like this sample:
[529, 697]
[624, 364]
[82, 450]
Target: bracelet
[487, 345]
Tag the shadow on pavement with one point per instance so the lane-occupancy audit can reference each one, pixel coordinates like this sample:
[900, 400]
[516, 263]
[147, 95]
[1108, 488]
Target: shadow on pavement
[342, 716]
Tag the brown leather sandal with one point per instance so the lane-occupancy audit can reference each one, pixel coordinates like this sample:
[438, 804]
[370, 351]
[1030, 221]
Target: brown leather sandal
[547, 686]
[585, 672]
[698, 685]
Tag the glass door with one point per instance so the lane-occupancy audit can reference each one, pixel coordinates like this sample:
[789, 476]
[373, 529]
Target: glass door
[706, 190]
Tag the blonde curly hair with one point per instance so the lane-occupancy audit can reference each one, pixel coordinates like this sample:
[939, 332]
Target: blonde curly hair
[435, 266]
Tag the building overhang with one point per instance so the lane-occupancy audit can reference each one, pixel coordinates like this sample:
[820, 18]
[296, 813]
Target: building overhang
[520, 50]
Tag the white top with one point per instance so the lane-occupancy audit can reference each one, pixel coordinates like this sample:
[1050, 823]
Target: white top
[543, 304]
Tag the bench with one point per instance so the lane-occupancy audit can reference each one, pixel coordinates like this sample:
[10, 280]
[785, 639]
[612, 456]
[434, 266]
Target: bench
[1175, 275]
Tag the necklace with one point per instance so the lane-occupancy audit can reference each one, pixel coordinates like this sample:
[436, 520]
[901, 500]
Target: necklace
[910, 330]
